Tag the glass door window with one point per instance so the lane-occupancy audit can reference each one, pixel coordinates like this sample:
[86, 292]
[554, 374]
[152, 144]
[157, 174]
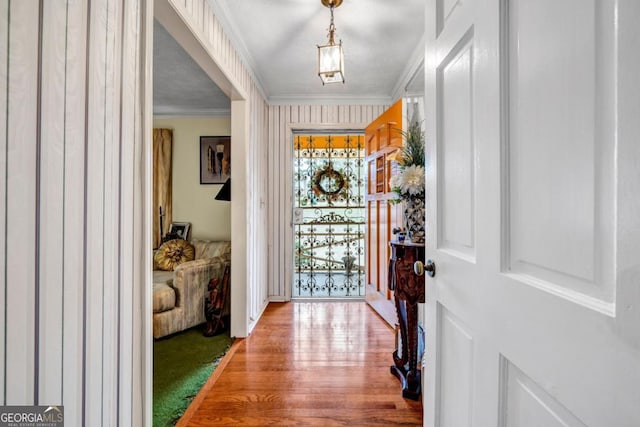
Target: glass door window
[329, 216]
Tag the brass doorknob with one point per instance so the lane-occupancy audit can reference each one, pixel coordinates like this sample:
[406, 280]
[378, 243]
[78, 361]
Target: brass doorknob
[419, 268]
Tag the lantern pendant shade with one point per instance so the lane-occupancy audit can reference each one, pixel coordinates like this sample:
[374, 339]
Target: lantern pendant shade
[331, 63]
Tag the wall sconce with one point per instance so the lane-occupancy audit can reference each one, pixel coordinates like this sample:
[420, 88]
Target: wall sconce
[331, 56]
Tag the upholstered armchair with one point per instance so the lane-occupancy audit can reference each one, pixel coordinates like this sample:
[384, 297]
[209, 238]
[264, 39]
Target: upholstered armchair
[178, 296]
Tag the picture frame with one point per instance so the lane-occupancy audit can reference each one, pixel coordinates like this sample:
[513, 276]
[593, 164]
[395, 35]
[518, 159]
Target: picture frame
[180, 230]
[215, 159]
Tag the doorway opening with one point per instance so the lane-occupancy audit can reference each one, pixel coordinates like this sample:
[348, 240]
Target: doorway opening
[328, 216]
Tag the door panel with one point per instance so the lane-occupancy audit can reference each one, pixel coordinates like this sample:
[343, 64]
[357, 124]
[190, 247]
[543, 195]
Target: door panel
[383, 238]
[448, 11]
[532, 125]
[372, 243]
[560, 170]
[526, 404]
[456, 370]
[457, 176]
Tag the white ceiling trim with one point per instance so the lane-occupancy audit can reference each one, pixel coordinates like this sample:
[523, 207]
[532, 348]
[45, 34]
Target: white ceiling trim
[158, 113]
[228, 24]
[329, 100]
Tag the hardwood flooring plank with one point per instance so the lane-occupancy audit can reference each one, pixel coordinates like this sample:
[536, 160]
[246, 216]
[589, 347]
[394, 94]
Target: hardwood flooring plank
[310, 364]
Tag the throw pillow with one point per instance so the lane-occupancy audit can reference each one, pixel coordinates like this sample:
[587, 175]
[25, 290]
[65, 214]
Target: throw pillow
[173, 253]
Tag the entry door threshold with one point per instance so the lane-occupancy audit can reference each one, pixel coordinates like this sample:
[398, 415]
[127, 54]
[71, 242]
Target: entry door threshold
[327, 299]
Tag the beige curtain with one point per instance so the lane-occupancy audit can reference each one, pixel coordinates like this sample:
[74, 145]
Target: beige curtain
[162, 142]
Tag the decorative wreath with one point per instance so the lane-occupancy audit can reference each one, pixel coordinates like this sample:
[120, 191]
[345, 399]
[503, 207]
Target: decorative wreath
[329, 182]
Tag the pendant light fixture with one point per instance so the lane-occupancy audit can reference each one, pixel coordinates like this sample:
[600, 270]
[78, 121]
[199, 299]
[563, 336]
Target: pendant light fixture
[331, 56]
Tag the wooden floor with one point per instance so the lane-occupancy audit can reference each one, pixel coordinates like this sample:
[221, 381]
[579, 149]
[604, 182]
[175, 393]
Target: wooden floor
[308, 364]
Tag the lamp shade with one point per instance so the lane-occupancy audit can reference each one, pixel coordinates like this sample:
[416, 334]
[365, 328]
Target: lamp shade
[331, 63]
[225, 191]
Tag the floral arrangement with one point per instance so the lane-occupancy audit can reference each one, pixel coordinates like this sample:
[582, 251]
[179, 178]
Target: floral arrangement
[409, 183]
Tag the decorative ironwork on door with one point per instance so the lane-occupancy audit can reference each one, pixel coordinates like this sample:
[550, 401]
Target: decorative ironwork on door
[329, 216]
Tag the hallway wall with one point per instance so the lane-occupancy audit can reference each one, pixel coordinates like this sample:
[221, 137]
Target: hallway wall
[249, 294]
[73, 124]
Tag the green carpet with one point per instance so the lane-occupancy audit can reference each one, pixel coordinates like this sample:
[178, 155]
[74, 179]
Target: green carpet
[182, 363]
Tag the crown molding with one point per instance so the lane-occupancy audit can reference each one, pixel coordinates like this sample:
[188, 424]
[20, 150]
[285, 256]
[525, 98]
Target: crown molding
[306, 99]
[169, 113]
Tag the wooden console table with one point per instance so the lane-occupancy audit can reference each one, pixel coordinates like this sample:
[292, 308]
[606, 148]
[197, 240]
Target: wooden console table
[409, 291]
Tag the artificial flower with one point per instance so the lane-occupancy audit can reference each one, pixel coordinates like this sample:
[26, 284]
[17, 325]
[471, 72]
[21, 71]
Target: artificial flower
[409, 182]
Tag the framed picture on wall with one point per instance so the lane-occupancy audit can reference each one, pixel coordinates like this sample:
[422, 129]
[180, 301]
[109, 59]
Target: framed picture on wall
[215, 159]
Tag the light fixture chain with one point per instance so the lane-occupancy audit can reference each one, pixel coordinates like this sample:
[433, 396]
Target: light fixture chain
[332, 28]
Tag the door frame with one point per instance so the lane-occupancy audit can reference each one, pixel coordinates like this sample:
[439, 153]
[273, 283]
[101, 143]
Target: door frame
[338, 131]
[290, 130]
[178, 26]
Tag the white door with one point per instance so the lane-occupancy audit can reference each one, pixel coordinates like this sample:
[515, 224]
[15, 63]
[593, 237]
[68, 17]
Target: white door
[533, 133]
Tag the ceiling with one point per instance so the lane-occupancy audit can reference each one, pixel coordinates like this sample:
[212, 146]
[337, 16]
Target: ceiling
[179, 84]
[382, 40]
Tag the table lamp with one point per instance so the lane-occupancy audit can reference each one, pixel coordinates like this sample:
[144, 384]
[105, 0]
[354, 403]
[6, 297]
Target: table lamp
[225, 191]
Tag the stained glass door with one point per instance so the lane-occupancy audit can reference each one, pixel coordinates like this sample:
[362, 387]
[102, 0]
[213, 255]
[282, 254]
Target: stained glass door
[329, 216]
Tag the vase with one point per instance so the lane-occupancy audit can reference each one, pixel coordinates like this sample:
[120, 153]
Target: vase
[414, 219]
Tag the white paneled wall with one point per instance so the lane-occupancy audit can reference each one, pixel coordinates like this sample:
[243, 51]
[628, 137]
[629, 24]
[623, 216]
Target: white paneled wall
[249, 251]
[73, 125]
[283, 119]
[259, 196]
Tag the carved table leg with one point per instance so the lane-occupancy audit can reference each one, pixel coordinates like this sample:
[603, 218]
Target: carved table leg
[412, 389]
[409, 291]
[400, 360]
